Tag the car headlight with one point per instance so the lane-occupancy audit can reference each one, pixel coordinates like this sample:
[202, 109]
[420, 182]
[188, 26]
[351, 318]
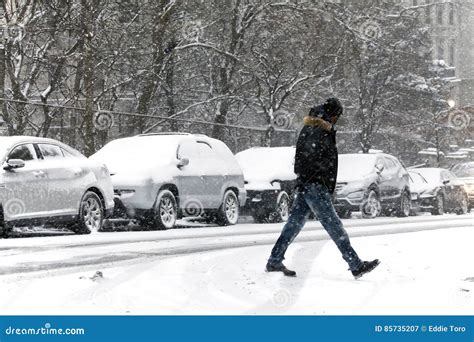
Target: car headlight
[430, 192]
[356, 194]
[470, 188]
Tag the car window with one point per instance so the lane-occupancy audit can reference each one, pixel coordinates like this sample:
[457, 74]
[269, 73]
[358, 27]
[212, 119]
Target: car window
[50, 151]
[464, 170]
[188, 149]
[451, 176]
[204, 151]
[24, 152]
[67, 154]
[389, 164]
[444, 176]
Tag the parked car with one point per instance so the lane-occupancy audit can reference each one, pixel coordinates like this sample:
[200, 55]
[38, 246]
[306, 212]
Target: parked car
[159, 178]
[44, 181]
[445, 192]
[465, 172]
[418, 185]
[269, 181]
[373, 184]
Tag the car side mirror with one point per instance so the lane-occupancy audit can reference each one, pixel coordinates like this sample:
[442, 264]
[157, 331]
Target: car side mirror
[183, 162]
[13, 164]
[446, 181]
[379, 167]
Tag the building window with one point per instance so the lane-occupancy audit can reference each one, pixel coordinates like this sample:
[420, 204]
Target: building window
[440, 14]
[451, 53]
[451, 14]
[428, 12]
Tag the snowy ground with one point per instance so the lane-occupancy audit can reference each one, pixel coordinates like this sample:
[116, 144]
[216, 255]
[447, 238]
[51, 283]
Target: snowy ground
[426, 269]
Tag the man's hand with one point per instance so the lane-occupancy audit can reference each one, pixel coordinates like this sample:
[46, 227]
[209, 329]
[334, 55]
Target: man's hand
[313, 121]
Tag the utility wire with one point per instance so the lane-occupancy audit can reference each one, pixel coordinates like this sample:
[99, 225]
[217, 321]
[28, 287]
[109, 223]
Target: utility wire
[250, 128]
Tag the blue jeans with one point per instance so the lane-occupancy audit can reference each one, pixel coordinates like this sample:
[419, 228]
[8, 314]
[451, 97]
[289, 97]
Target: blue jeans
[315, 198]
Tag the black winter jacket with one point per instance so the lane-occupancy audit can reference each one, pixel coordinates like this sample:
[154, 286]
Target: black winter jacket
[316, 155]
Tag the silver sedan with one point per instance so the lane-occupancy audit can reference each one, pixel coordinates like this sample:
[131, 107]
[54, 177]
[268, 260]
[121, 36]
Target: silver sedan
[43, 181]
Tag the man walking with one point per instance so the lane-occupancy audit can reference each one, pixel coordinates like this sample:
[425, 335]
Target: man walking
[316, 170]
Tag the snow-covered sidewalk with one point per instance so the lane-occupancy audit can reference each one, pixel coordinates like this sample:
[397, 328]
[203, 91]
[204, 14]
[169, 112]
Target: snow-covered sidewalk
[428, 272]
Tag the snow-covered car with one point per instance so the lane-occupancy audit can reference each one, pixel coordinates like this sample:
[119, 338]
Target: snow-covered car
[418, 185]
[445, 192]
[44, 181]
[465, 172]
[161, 177]
[269, 180]
[371, 183]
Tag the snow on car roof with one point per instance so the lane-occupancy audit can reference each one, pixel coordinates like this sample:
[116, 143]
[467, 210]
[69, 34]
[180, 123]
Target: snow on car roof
[139, 148]
[7, 142]
[267, 163]
[145, 152]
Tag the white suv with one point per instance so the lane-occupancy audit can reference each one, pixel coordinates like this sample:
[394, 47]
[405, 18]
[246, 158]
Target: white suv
[159, 178]
[43, 181]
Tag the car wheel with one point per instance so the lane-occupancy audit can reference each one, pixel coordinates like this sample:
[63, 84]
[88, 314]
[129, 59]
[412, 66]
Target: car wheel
[228, 213]
[282, 210]
[165, 211]
[91, 214]
[438, 206]
[404, 207]
[463, 205]
[371, 207]
[3, 229]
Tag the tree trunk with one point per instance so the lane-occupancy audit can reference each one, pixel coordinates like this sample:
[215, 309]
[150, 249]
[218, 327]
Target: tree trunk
[88, 85]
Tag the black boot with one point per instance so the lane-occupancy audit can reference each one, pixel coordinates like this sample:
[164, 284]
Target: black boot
[366, 267]
[280, 268]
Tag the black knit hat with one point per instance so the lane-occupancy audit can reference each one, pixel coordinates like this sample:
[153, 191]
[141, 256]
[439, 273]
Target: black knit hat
[333, 107]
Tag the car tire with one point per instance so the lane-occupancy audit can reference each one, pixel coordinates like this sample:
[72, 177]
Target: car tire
[91, 214]
[463, 207]
[404, 207]
[228, 213]
[371, 206]
[438, 205]
[3, 229]
[282, 209]
[165, 211]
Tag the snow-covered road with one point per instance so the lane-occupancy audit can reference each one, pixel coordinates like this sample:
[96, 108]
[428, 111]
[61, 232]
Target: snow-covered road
[426, 268]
